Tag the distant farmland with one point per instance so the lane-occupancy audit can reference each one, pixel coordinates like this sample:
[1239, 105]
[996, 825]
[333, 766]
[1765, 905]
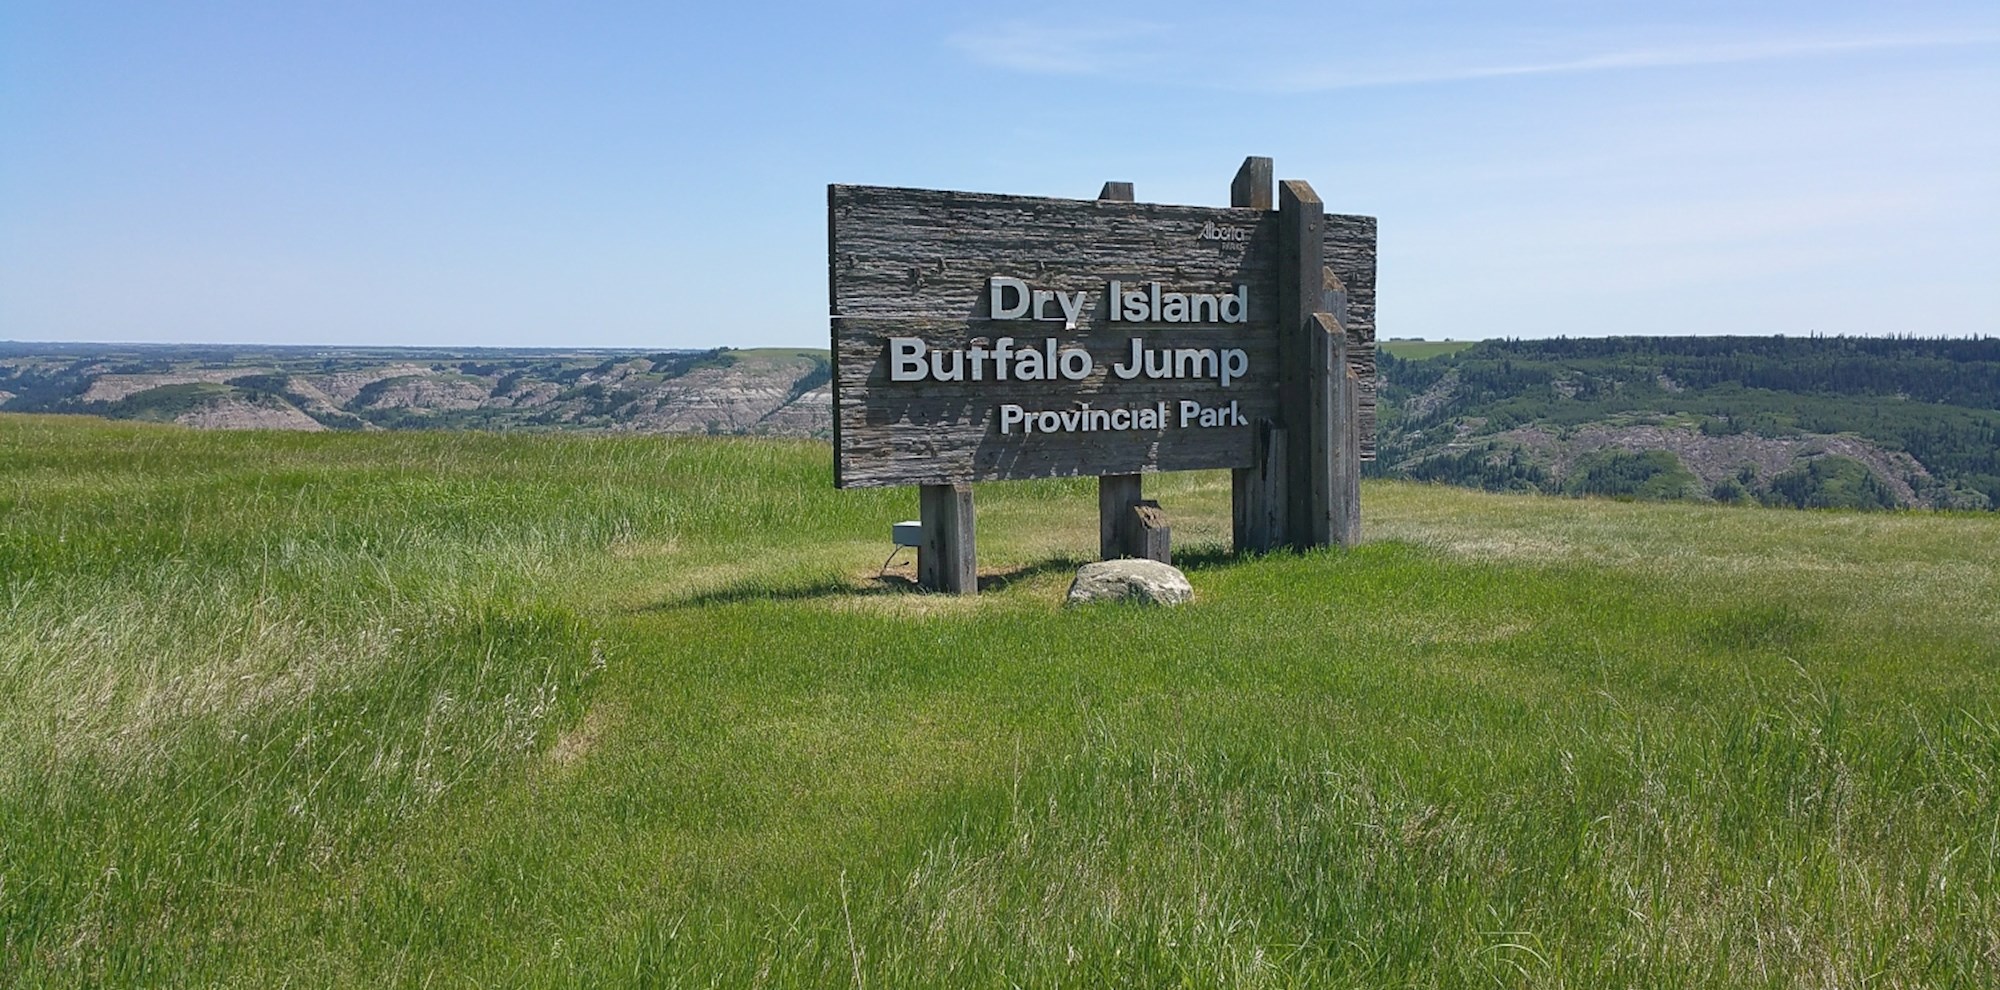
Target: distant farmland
[1418, 350]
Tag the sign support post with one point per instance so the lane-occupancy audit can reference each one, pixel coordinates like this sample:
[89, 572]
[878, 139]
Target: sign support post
[947, 560]
[1301, 256]
[1343, 402]
[1257, 492]
[1117, 494]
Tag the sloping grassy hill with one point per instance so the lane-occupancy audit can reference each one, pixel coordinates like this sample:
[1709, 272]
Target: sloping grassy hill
[435, 709]
[1422, 350]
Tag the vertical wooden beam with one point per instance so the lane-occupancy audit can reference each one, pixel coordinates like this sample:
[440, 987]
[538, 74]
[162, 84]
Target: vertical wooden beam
[1347, 470]
[1334, 488]
[1251, 189]
[1333, 295]
[1116, 496]
[947, 561]
[1116, 493]
[1344, 509]
[1301, 260]
[1150, 537]
[1257, 492]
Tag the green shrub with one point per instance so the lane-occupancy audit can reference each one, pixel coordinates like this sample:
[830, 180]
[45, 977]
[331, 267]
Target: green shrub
[1652, 475]
[1830, 482]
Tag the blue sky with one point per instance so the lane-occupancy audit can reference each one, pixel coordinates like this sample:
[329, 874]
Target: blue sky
[653, 175]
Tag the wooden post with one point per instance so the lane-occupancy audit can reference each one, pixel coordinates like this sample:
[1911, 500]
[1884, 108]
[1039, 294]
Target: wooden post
[1344, 509]
[1251, 188]
[1149, 536]
[1347, 472]
[1116, 493]
[1257, 492]
[1301, 261]
[947, 560]
[1334, 490]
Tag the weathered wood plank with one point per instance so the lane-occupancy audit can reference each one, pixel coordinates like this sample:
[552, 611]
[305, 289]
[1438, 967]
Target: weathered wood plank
[1335, 492]
[1148, 537]
[1257, 491]
[1301, 250]
[916, 264]
[947, 560]
[1116, 495]
[1347, 468]
[1251, 188]
[1350, 253]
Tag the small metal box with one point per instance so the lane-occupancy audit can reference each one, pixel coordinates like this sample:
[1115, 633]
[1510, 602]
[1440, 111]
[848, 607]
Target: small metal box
[909, 533]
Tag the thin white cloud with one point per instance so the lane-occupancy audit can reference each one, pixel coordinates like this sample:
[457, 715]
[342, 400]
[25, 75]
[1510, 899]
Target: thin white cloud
[1680, 56]
[1154, 51]
[1065, 50]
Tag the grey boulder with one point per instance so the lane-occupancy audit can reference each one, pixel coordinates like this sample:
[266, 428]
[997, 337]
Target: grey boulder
[1137, 580]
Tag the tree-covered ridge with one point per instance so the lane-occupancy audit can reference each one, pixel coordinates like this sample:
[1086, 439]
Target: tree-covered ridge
[1506, 414]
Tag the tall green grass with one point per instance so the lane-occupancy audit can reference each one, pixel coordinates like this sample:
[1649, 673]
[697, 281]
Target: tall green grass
[465, 710]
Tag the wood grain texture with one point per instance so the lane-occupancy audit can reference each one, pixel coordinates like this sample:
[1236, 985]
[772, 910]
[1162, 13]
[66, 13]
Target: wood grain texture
[1252, 186]
[1334, 498]
[1350, 255]
[1347, 470]
[915, 263]
[1301, 280]
[948, 559]
[909, 262]
[1116, 495]
[1148, 537]
[1257, 493]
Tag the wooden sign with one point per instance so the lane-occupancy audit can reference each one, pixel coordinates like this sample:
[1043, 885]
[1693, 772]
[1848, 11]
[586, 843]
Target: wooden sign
[980, 337]
[985, 337]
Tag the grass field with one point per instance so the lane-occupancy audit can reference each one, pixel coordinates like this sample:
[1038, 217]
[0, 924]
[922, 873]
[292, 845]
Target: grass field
[1418, 350]
[467, 710]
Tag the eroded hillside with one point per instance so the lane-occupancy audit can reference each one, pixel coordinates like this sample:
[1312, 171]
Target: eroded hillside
[1810, 422]
[764, 391]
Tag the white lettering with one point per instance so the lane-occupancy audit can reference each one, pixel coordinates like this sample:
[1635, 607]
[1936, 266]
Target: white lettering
[1236, 308]
[997, 288]
[906, 359]
[1132, 369]
[1072, 307]
[1235, 361]
[957, 372]
[1076, 364]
